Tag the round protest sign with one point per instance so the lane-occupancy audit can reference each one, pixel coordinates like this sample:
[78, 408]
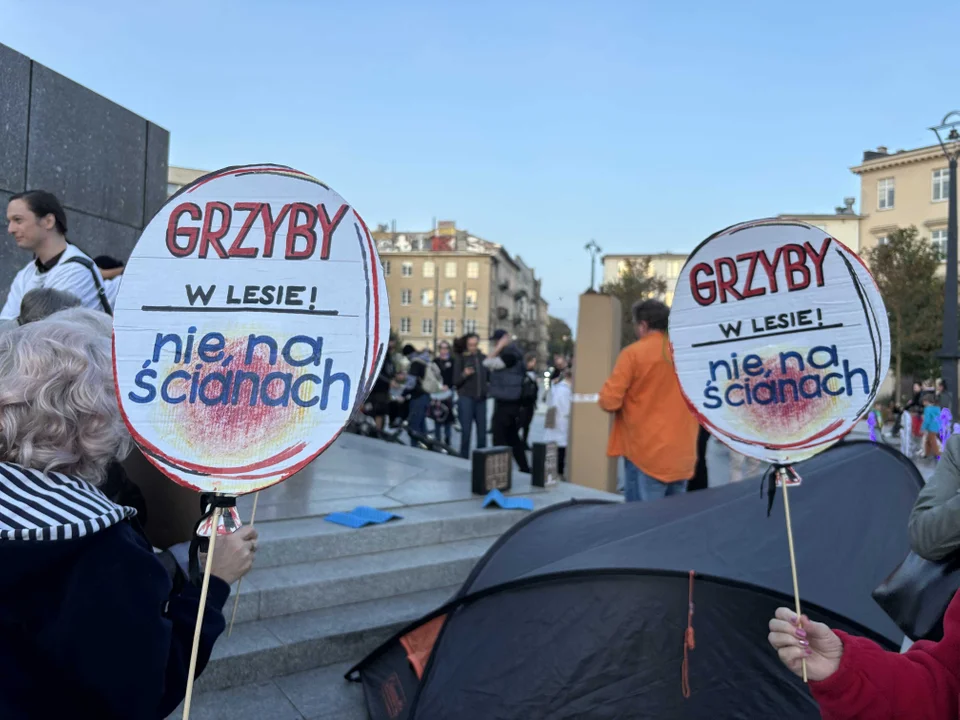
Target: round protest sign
[780, 338]
[251, 323]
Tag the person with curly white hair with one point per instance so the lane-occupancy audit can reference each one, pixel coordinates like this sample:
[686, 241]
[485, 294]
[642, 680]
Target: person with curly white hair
[89, 623]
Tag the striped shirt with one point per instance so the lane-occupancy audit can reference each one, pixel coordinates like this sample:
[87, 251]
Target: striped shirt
[45, 506]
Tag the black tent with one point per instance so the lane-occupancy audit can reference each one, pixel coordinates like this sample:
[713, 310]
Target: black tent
[580, 610]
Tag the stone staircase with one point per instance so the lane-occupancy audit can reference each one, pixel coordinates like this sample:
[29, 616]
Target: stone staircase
[322, 596]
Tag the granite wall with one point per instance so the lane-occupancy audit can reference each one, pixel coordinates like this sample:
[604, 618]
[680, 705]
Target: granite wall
[107, 165]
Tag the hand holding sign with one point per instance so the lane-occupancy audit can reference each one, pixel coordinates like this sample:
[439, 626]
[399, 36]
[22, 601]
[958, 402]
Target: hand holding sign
[780, 342]
[251, 324]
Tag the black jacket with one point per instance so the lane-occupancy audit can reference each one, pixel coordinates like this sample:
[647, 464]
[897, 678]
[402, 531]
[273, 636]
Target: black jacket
[88, 627]
[474, 386]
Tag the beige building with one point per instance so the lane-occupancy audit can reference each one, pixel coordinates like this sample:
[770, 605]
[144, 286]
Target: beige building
[900, 189]
[177, 177]
[666, 266]
[447, 283]
[843, 224]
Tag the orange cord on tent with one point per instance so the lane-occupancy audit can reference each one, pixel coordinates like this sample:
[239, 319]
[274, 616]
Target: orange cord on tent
[688, 643]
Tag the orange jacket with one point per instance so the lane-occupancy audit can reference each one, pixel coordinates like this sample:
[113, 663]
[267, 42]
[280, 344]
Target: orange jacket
[652, 427]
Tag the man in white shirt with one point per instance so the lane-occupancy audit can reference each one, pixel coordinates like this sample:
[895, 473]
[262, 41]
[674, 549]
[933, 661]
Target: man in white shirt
[37, 222]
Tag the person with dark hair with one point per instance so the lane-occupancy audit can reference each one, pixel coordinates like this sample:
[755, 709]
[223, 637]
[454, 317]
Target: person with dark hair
[944, 398]
[470, 378]
[38, 223]
[653, 429]
[112, 270]
[506, 388]
[529, 393]
[44, 302]
[419, 398]
[443, 419]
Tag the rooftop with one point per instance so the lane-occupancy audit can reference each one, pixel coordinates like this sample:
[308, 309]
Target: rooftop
[882, 158]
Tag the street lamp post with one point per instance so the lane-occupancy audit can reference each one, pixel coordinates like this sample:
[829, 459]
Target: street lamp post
[949, 138]
[594, 250]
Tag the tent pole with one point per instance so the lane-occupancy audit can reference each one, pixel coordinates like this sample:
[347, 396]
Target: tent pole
[785, 482]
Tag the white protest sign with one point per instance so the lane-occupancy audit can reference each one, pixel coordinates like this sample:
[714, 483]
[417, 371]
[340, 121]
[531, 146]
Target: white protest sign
[780, 338]
[251, 323]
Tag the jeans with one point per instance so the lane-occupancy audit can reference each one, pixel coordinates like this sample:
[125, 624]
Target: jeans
[640, 487]
[506, 431]
[472, 411]
[417, 419]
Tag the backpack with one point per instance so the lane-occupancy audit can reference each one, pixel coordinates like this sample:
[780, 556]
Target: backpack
[432, 379]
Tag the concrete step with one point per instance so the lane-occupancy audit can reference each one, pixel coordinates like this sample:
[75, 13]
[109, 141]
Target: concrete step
[265, 649]
[290, 589]
[301, 540]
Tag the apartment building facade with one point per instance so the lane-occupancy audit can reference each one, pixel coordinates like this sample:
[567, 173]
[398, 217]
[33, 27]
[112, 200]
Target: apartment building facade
[445, 283]
[666, 266]
[900, 189]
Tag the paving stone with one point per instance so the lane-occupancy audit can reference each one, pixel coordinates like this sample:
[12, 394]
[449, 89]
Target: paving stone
[252, 702]
[323, 693]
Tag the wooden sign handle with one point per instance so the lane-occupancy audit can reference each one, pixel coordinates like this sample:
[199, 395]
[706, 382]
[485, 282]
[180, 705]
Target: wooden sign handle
[203, 603]
[236, 600]
[793, 558]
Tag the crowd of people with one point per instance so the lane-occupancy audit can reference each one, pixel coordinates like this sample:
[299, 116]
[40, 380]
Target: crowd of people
[451, 390]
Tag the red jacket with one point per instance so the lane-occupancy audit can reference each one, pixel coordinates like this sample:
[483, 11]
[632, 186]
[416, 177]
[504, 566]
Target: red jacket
[875, 684]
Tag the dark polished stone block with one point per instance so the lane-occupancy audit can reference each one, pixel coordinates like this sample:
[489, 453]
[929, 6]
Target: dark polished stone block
[97, 236]
[492, 468]
[155, 193]
[88, 151]
[14, 107]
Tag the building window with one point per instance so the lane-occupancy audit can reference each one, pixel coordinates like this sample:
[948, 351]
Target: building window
[450, 269]
[173, 188]
[470, 298]
[429, 268]
[449, 326]
[426, 326]
[406, 270]
[386, 268]
[938, 238]
[473, 270]
[450, 298]
[404, 325]
[469, 326]
[406, 296]
[941, 185]
[885, 194]
[883, 240]
[426, 297]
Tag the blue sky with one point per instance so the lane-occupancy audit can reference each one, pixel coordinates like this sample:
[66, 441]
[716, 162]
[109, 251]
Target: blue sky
[537, 124]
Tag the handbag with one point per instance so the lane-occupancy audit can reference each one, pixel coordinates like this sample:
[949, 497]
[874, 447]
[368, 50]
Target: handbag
[550, 422]
[917, 593]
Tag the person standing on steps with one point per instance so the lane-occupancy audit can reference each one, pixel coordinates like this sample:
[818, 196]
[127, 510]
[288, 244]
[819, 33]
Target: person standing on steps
[38, 224]
[506, 387]
[529, 393]
[470, 378]
[653, 429]
[444, 362]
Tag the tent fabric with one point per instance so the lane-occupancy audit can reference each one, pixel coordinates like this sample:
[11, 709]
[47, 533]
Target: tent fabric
[580, 610]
